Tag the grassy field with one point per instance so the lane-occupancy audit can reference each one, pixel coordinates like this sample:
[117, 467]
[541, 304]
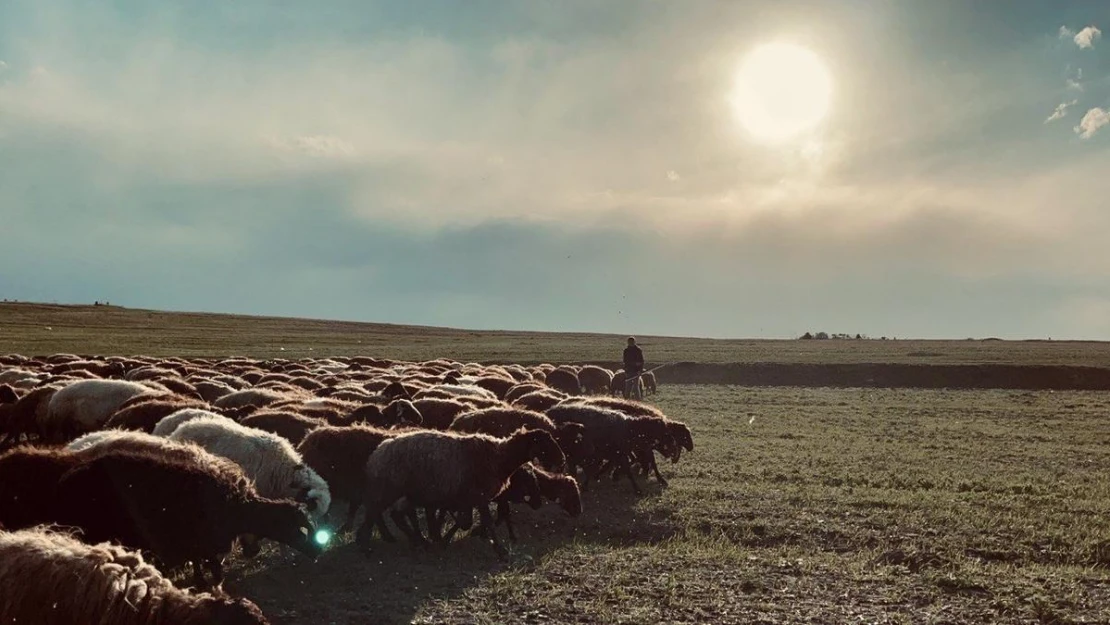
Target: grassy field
[796, 506]
[44, 329]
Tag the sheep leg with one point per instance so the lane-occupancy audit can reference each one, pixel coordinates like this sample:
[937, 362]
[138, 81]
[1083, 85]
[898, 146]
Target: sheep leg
[650, 458]
[434, 519]
[352, 510]
[505, 514]
[249, 545]
[487, 523]
[379, 522]
[403, 521]
[626, 467]
[216, 568]
[198, 576]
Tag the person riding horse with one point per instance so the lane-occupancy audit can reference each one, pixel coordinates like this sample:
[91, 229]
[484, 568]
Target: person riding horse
[633, 367]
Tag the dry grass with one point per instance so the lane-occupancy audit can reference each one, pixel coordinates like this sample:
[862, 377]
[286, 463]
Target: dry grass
[44, 329]
[832, 506]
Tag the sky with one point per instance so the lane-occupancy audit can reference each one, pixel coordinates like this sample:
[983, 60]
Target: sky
[569, 166]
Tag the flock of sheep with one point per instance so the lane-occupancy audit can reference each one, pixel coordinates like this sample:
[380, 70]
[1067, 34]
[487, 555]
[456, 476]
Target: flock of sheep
[108, 463]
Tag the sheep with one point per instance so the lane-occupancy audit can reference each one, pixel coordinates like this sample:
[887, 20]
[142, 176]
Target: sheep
[85, 406]
[456, 391]
[144, 416]
[23, 416]
[522, 488]
[51, 578]
[454, 472]
[540, 400]
[531, 484]
[168, 424]
[210, 390]
[257, 397]
[438, 413]
[291, 426]
[564, 380]
[179, 387]
[650, 385]
[401, 412]
[614, 436]
[502, 422]
[595, 379]
[339, 455]
[271, 461]
[150, 501]
[617, 385]
[495, 384]
[679, 434]
[522, 389]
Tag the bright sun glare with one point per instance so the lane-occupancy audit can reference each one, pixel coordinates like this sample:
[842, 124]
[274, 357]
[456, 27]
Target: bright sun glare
[782, 90]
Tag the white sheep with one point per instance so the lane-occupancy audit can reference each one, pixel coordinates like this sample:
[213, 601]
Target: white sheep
[85, 406]
[271, 461]
[167, 424]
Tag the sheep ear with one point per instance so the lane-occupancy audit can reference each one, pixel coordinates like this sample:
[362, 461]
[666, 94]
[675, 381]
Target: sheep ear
[7, 394]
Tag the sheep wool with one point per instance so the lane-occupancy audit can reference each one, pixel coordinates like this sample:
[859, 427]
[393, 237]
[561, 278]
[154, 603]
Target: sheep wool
[270, 460]
[50, 578]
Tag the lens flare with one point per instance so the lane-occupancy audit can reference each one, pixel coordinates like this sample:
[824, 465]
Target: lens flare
[322, 537]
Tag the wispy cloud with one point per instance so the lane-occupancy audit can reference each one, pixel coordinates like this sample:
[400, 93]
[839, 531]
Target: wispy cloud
[1086, 38]
[1066, 33]
[1092, 122]
[317, 146]
[1061, 111]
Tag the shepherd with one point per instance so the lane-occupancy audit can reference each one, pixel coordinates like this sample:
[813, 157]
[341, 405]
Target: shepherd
[633, 369]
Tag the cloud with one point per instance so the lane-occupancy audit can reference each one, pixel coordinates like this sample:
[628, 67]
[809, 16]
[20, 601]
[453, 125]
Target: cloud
[1061, 111]
[1092, 121]
[1066, 33]
[673, 176]
[3, 66]
[1086, 38]
[1074, 85]
[316, 146]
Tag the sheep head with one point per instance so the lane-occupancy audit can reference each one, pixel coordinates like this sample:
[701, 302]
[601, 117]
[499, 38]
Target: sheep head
[402, 411]
[541, 446]
[8, 394]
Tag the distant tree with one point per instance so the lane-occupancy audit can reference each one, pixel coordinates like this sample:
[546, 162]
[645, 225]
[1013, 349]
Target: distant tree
[858, 337]
[807, 337]
[821, 336]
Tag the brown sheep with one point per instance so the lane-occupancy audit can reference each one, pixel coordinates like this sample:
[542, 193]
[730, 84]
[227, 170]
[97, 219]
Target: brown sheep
[595, 380]
[564, 380]
[339, 455]
[51, 578]
[143, 416]
[649, 382]
[615, 437]
[23, 416]
[437, 414]
[540, 400]
[495, 384]
[522, 389]
[447, 471]
[503, 422]
[291, 426]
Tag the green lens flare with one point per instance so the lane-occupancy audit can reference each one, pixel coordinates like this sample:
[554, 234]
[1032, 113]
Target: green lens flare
[322, 537]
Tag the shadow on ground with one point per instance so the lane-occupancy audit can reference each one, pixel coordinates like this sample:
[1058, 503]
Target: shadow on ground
[344, 586]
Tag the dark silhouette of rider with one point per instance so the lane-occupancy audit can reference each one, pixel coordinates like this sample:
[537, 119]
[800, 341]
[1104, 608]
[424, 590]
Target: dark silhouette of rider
[633, 364]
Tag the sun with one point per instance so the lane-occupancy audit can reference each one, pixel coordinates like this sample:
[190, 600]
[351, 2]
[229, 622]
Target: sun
[782, 90]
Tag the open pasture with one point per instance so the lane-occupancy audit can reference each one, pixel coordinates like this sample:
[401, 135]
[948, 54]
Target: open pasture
[796, 506]
[27, 328]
